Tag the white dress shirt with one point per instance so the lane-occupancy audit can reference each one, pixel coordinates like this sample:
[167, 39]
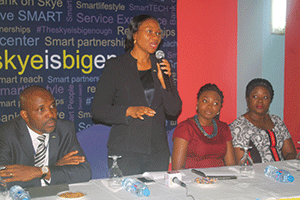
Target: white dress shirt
[35, 143]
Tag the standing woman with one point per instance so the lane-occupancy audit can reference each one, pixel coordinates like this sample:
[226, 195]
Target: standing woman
[131, 96]
[202, 141]
[265, 133]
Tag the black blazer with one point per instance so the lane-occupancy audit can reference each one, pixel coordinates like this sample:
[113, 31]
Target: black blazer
[120, 87]
[16, 148]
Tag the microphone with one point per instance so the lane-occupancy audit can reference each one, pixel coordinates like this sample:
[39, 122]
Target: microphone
[161, 55]
[177, 181]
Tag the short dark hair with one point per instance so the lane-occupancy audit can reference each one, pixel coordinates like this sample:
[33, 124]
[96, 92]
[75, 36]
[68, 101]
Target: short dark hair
[133, 27]
[210, 87]
[259, 82]
[28, 91]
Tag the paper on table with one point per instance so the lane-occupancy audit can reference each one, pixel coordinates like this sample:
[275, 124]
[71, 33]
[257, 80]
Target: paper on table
[105, 183]
[294, 163]
[221, 171]
[291, 198]
[157, 175]
[154, 175]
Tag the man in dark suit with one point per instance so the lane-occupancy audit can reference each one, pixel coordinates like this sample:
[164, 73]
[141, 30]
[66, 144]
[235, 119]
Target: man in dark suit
[25, 162]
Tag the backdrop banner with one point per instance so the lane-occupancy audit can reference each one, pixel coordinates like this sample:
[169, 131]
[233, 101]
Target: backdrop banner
[63, 45]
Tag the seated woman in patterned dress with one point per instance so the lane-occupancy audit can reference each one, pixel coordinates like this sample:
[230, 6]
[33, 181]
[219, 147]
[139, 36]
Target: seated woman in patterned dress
[265, 133]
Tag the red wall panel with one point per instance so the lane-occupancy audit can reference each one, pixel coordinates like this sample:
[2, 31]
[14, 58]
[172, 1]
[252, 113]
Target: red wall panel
[292, 71]
[207, 52]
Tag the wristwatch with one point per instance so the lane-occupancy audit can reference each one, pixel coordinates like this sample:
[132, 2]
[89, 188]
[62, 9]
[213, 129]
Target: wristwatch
[45, 170]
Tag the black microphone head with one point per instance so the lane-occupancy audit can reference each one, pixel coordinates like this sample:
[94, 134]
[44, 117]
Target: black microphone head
[159, 54]
[177, 181]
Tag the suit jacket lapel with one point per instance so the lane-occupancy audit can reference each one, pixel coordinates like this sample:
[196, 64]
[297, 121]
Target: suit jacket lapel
[156, 102]
[25, 140]
[136, 81]
[53, 147]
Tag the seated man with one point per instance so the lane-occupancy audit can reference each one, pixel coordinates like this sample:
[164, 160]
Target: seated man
[37, 149]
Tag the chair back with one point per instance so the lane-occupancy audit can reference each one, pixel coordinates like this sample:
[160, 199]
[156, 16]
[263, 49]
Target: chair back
[170, 136]
[93, 141]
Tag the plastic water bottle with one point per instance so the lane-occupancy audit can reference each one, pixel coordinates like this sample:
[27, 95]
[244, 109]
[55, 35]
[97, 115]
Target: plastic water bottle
[278, 174]
[135, 187]
[18, 193]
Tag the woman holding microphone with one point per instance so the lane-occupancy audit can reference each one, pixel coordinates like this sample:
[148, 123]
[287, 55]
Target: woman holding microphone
[131, 97]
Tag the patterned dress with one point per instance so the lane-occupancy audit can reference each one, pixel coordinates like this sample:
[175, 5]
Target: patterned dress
[267, 143]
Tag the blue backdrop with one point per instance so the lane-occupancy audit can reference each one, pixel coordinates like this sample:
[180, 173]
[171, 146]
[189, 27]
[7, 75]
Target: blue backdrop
[63, 46]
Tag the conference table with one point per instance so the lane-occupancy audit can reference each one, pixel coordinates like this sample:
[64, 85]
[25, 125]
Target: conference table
[259, 187]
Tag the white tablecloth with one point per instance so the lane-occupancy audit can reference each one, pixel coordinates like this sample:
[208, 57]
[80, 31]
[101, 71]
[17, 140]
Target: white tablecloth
[260, 187]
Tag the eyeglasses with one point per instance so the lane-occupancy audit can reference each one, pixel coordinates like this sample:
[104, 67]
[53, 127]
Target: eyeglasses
[152, 33]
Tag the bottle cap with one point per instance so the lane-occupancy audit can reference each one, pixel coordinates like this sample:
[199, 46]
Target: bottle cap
[146, 192]
[290, 178]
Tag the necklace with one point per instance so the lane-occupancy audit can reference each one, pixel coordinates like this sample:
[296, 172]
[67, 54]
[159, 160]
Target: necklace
[203, 131]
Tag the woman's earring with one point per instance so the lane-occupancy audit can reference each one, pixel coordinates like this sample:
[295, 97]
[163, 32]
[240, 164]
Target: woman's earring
[134, 41]
[218, 113]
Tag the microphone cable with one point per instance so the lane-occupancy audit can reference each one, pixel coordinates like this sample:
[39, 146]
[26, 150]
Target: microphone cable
[189, 195]
[182, 184]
